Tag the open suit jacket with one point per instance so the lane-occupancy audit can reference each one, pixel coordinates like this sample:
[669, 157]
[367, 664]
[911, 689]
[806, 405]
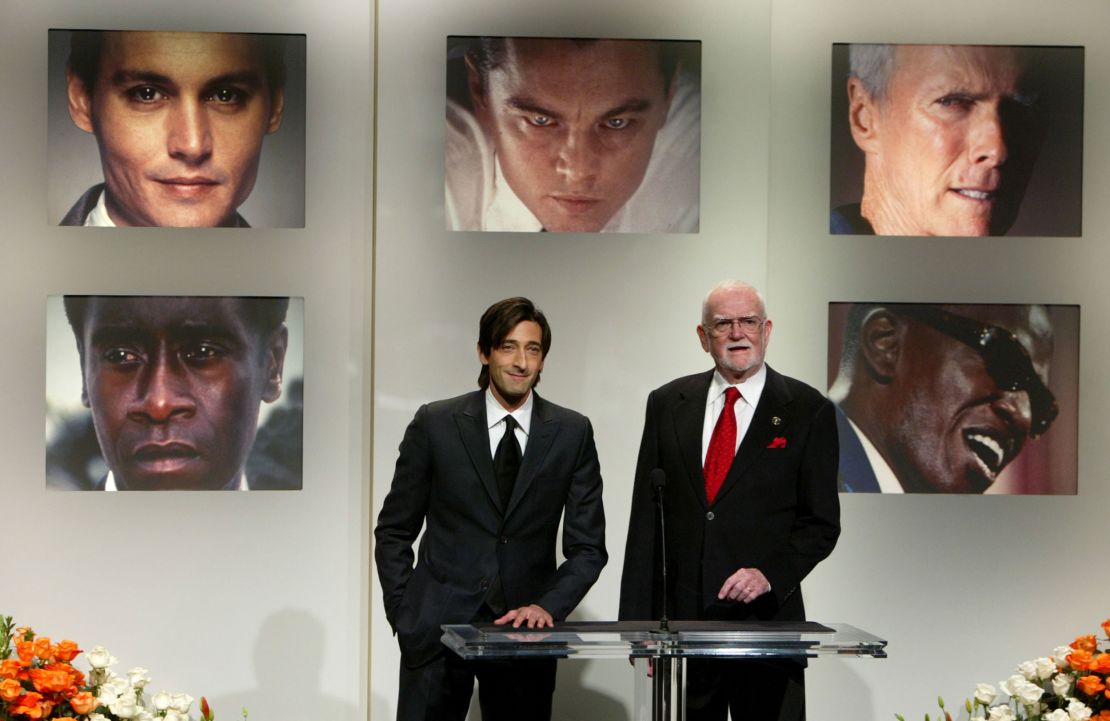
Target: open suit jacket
[445, 477]
[777, 511]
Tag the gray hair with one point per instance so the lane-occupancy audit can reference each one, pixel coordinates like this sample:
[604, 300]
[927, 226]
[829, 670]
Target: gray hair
[873, 65]
[730, 285]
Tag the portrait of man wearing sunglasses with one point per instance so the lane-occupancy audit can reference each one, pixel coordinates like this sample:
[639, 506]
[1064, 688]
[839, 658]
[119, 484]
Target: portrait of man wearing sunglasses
[942, 398]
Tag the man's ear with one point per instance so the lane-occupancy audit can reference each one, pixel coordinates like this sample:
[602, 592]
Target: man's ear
[80, 101]
[703, 338]
[863, 116]
[881, 343]
[277, 107]
[275, 363]
[479, 101]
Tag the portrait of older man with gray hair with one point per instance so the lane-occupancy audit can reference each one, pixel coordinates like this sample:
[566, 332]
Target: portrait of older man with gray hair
[951, 138]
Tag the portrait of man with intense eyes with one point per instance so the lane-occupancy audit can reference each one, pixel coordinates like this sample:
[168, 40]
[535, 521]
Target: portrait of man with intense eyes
[572, 135]
[176, 129]
[174, 393]
[955, 398]
[956, 140]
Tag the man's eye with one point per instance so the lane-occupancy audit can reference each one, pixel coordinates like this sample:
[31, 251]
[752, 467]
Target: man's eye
[146, 94]
[959, 102]
[120, 356]
[203, 352]
[226, 96]
[616, 123]
[540, 121]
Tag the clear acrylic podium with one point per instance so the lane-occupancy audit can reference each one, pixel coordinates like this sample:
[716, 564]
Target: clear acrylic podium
[667, 650]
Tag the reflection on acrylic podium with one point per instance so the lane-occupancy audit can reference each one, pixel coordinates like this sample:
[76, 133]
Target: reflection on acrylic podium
[662, 697]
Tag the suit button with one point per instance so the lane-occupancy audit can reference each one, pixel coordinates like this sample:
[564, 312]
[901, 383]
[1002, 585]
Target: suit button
[710, 516]
[484, 584]
[504, 539]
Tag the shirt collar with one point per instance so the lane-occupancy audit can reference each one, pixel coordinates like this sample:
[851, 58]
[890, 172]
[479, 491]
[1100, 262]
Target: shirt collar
[98, 217]
[495, 412]
[750, 390]
[888, 482]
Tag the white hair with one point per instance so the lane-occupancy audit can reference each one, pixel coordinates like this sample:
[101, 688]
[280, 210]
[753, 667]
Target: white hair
[730, 285]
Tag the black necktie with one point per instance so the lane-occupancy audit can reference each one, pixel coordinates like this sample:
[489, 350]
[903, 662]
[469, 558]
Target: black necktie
[506, 462]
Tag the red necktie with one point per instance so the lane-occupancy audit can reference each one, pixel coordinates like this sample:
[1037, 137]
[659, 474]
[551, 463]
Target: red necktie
[722, 446]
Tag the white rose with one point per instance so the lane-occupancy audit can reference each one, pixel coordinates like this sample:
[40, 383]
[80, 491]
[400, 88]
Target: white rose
[162, 700]
[985, 694]
[98, 717]
[181, 703]
[1057, 715]
[145, 715]
[1028, 669]
[1029, 693]
[1078, 711]
[172, 715]
[1001, 713]
[138, 677]
[100, 658]
[107, 696]
[1061, 684]
[125, 707]
[1045, 667]
[120, 685]
[1060, 655]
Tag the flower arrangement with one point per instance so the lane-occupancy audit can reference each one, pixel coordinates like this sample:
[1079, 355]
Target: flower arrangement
[40, 683]
[1069, 685]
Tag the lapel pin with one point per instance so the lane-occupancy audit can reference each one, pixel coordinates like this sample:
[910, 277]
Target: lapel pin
[776, 421]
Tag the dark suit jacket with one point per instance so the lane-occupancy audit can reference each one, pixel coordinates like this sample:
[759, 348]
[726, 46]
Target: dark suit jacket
[777, 511]
[445, 478]
[88, 200]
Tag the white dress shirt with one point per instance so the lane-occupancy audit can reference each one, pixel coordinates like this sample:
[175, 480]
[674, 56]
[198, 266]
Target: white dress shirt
[750, 391]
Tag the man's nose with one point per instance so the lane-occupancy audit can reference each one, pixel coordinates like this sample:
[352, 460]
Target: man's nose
[189, 135]
[163, 393]
[578, 160]
[1016, 410]
[988, 138]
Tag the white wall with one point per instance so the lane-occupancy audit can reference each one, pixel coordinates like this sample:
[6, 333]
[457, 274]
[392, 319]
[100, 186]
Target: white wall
[256, 599]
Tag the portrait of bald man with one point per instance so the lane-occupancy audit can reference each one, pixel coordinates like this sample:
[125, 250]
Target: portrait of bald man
[176, 129]
[955, 398]
[956, 140]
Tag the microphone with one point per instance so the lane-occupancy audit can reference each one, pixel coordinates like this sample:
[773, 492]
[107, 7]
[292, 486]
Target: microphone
[658, 480]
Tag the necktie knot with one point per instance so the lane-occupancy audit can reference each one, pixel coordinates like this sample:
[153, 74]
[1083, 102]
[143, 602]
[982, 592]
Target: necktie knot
[732, 394]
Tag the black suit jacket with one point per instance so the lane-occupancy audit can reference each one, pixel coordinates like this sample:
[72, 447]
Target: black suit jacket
[445, 478]
[777, 511]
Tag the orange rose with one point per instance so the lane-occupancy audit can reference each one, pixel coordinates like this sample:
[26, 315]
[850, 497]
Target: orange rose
[1101, 664]
[1080, 660]
[12, 668]
[1103, 716]
[1085, 643]
[45, 651]
[24, 633]
[1106, 630]
[66, 651]
[1090, 685]
[29, 705]
[25, 650]
[50, 680]
[83, 703]
[10, 690]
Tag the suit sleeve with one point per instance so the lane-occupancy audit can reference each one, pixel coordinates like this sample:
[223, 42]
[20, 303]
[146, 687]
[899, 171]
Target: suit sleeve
[583, 534]
[816, 525]
[402, 514]
[637, 600]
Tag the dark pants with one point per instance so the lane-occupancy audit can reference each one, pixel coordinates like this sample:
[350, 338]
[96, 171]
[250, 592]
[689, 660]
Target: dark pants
[750, 690]
[508, 690]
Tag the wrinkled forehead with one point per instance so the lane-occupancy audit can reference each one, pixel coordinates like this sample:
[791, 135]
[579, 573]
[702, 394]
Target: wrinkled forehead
[180, 53]
[972, 68]
[160, 315]
[734, 303]
[1031, 324]
[633, 63]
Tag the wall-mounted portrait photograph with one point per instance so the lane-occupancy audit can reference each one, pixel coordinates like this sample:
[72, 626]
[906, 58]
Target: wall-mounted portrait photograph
[176, 129]
[573, 135]
[956, 140]
[960, 398]
[188, 393]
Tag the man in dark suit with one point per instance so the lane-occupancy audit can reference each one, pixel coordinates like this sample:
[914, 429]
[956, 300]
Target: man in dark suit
[751, 505]
[490, 473]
